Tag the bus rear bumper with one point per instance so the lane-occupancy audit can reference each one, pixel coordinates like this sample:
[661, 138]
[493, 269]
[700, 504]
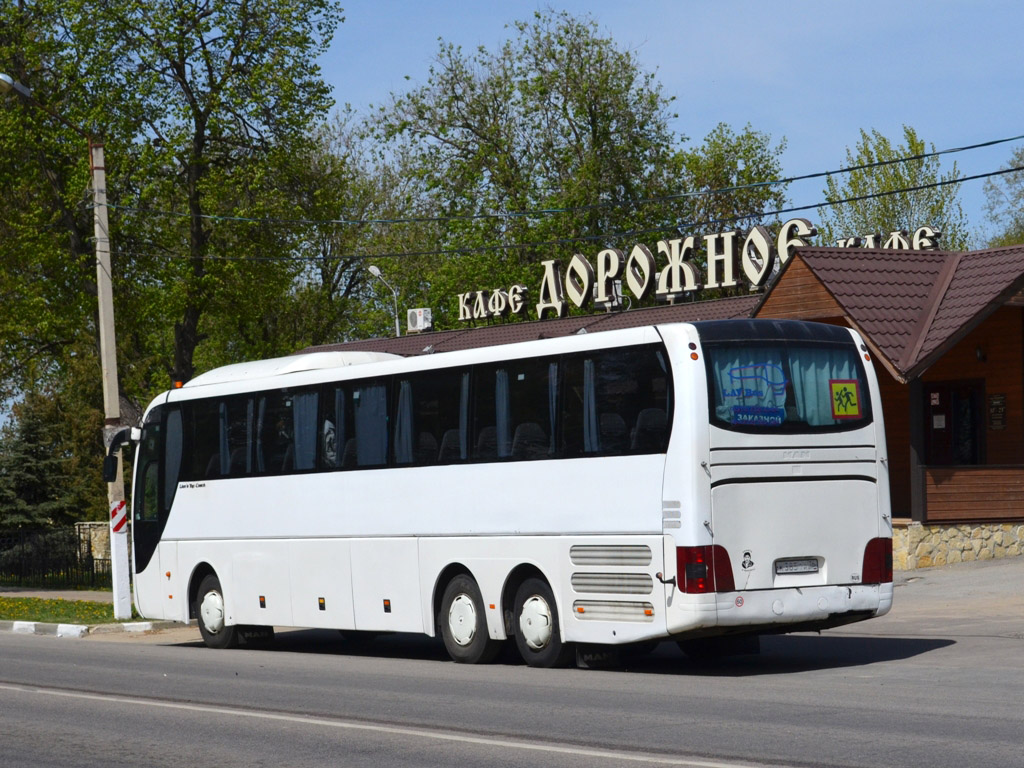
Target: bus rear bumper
[781, 610]
[827, 605]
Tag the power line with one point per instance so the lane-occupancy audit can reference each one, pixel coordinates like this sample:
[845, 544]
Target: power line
[600, 238]
[574, 209]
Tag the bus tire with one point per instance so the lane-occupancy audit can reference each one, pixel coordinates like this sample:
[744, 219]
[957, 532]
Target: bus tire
[209, 612]
[463, 623]
[538, 633]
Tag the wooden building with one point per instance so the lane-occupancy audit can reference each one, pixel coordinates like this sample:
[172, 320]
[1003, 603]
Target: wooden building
[947, 335]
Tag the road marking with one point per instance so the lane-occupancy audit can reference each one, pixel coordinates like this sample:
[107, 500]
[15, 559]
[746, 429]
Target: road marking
[604, 754]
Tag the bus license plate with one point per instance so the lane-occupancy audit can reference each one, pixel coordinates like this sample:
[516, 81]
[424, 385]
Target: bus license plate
[797, 565]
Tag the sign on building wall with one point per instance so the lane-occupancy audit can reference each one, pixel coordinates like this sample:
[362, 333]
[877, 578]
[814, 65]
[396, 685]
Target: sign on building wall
[730, 259]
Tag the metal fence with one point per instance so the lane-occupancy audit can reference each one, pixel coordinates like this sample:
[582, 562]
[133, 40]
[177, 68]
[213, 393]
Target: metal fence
[52, 557]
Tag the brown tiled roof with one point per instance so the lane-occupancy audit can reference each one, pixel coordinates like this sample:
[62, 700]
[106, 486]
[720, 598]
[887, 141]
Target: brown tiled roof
[914, 305]
[983, 282]
[882, 291]
[511, 332]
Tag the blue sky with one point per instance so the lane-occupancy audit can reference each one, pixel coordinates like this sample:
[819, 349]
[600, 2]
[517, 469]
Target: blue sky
[813, 72]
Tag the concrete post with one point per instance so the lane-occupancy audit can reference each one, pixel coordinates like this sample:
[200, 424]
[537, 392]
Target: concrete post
[119, 566]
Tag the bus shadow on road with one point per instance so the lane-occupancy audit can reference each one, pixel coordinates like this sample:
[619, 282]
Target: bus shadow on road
[780, 654]
[785, 654]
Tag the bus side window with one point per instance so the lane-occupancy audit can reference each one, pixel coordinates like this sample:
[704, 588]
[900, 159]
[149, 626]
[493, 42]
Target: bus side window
[236, 436]
[431, 417]
[370, 422]
[335, 428]
[172, 457]
[274, 433]
[515, 410]
[615, 402]
[202, 439]
[286, 432]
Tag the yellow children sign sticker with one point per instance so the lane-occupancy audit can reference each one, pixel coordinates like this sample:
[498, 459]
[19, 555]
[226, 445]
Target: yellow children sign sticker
[845, 398]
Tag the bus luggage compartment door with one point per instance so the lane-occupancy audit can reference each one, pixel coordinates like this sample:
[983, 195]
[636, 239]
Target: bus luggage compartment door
[800, 533]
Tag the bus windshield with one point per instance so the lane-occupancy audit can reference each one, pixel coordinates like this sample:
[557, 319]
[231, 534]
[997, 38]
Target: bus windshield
[786, 386]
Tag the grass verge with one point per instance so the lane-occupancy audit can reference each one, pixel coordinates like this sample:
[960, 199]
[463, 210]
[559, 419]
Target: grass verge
[56, 611]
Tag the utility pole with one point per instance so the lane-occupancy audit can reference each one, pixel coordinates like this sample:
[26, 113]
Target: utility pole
[119, 565]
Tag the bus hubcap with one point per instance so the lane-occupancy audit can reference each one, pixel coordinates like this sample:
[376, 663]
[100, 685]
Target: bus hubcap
[462, 620]
[212, 611]
[535, 622]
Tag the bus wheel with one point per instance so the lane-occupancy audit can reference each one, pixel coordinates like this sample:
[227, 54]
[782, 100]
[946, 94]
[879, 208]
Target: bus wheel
[463, 623]
[536, 625]
[209, 610]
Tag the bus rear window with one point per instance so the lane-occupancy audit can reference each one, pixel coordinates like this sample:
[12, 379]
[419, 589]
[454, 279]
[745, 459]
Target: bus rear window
[786, 387]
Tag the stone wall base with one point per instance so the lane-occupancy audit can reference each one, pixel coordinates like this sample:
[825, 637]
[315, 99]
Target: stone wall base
[922, 545]
[95, 538]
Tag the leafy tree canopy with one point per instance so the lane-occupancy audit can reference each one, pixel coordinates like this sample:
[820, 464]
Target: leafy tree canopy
[881, 207]
[557, 143]
[1004, 203]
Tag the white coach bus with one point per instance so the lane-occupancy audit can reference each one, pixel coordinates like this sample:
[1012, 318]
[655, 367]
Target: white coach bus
[705, 483]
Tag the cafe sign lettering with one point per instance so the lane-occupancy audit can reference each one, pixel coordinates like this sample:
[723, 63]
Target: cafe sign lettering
[730, 258]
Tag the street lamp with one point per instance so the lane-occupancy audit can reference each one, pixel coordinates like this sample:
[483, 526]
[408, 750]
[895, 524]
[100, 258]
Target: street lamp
[108, 358]
[375, 271]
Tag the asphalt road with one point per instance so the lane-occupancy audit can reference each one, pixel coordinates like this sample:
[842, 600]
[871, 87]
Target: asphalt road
[940, 681]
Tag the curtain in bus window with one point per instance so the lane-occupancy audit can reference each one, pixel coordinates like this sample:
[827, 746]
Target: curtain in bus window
[502, 412]
[752, 384]
[404, 424]
[261, 426]
[304, 418]
[370, 407]
[223, 454]
[814, 372]
[464, 417]
[552, 405]
[591, 425]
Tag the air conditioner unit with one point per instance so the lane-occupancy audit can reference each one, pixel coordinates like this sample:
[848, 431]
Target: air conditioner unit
[615, 300]
[419, 320]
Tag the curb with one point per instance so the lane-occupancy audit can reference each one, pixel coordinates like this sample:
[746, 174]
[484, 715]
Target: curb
[81, 630]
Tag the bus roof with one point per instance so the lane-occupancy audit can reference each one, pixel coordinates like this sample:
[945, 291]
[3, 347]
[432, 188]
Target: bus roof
[278, 366]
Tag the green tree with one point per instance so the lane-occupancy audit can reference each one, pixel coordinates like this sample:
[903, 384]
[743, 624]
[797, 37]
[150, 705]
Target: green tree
[886, 207]
[558, 119]
[35, 463]
[47, 266]
[225, 89]
[203, 108]
[341, 180]
[557, 143]
[1004, 203]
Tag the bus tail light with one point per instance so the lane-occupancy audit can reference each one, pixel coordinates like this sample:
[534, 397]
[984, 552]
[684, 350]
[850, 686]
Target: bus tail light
[704, 569]
[877, 568]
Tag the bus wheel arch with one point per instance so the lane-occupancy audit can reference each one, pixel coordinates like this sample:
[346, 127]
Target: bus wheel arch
[449, 572]
[200, 572]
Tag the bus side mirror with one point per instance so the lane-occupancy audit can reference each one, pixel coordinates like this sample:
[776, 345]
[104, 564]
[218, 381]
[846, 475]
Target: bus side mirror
[109, 469]
[117, 439]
